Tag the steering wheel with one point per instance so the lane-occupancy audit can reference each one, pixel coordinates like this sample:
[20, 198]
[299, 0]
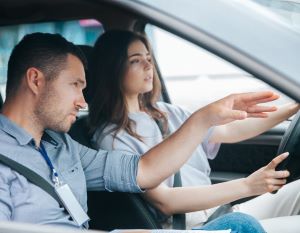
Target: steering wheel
[290, 142]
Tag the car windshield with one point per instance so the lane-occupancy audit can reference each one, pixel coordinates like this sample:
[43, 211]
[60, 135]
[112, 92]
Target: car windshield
[287, 11]
[261, 31]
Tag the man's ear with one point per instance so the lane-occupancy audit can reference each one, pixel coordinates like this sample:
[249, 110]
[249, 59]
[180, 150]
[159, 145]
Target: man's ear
[35, 79]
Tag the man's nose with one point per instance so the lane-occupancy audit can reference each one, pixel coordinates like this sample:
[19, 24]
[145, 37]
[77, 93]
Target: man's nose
[81, 103]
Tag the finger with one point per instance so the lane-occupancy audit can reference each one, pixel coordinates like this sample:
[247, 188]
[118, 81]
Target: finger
[277, 182]
[257, 115]
[265, 100]
[278, 159]
[272, 188]
[258, 109]
[259, 97]
[281, 174]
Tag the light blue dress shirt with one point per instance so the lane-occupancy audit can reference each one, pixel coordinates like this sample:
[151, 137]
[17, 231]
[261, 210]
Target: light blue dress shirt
[80, 167]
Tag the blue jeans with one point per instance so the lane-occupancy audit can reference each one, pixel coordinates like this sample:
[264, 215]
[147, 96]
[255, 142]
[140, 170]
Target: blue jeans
[237, 222]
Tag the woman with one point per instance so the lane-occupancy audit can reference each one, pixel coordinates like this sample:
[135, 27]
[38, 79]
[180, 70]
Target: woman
[125, 115]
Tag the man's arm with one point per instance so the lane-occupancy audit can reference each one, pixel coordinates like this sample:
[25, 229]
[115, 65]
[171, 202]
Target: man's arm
[167, 157]
[248, 128]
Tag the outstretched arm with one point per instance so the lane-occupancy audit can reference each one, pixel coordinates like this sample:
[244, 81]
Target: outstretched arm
[188, 199]
[167, 157]
[248, 128]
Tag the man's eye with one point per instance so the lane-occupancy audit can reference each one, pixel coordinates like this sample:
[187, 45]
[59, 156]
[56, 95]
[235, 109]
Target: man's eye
[76, 84]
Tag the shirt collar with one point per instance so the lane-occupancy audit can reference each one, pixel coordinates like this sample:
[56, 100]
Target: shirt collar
[21, 135]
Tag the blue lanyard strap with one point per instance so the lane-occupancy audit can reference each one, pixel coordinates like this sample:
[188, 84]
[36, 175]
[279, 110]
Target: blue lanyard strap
[43, 152]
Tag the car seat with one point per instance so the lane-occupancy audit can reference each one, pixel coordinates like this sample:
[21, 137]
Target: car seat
[111, 210]
[1, 102]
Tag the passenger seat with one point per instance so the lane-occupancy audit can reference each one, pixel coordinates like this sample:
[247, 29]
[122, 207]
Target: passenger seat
[109, 210]
[1, 102]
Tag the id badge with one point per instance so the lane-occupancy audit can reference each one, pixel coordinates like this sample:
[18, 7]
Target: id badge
[70, 202]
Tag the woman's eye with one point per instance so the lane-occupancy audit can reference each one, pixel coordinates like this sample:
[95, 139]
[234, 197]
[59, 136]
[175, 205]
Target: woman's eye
[134, 61]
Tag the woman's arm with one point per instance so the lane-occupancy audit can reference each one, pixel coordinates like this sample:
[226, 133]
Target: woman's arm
[241, 130]
[167, 157]
[188, 199]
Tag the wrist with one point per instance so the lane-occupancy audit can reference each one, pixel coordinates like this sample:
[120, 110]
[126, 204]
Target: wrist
[246, 187]
[203, 117]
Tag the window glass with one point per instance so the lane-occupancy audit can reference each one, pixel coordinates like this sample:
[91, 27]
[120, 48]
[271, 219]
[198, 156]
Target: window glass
[289, 11]
[84, 31]
[193, 76]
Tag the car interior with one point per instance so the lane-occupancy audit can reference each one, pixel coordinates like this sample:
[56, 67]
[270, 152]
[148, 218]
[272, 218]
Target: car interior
[1, 102]
[116, 210]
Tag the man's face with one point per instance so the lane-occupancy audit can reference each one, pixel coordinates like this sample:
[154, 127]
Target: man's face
[62, 97]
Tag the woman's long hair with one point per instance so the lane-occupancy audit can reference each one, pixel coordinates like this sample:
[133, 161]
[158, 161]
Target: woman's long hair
[108, 67]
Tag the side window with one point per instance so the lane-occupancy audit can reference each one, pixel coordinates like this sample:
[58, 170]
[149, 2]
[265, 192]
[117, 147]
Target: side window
[87, 31]
[193, 76]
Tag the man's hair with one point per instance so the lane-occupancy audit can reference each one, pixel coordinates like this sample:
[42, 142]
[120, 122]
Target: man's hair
[44, 51]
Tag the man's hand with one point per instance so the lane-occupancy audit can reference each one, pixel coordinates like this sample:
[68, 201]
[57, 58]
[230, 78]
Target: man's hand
[267, 179]
[240, 106]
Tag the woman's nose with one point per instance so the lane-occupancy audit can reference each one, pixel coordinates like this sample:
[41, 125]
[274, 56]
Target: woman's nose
[148, 64]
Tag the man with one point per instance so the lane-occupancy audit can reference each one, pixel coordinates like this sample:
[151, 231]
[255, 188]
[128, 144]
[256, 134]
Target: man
[44, 93]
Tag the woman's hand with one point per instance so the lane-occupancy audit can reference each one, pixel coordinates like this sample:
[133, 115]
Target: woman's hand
[267, 179]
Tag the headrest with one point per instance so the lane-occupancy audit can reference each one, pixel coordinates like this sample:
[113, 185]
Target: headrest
[1, 102]
[87, 51]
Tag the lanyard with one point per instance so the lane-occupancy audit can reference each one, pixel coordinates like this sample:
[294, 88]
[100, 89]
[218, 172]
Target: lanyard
[43, 152]
[65, 194]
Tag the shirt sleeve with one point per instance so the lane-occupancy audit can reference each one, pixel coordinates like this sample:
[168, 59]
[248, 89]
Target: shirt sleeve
[5, 197]
[112, 171]
[211, 149]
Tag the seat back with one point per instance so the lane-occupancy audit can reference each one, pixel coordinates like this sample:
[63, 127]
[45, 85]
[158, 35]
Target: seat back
[113, 210]
[109, 210]
[117, 210]
[1, 102]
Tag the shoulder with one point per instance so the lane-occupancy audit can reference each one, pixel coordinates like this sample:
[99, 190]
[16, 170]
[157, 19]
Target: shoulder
[103, 137]
[62, 139]
[173, 110]
[57, 136]
[7, 175]
[106, 131]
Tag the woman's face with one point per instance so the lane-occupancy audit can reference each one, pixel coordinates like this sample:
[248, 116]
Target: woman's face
[138, 77]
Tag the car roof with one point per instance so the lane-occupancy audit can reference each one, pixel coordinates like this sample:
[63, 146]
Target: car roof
[241, 32]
